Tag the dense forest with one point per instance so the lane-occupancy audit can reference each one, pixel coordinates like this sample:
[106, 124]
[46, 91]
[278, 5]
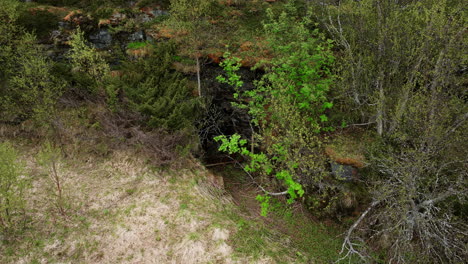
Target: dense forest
[350, 115]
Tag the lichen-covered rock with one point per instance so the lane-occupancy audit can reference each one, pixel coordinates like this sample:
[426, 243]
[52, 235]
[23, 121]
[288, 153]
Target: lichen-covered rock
[343, 172]
[101, 39]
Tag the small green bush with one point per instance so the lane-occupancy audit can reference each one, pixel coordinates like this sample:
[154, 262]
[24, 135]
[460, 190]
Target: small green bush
[288, 106]
[12, 186]
[31, 90]
[89, 68]
[49, 158]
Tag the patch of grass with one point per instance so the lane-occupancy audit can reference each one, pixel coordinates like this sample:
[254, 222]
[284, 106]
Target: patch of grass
[255, 240]
[157, 235]
[349, 148]
[252, 238]
[313, 240]
[129, 209]
[137, 45]
[130, 191]
[172, 180]
[194, 236]
[157, 20]
[184, 60]
[103, 13]
[284, 235]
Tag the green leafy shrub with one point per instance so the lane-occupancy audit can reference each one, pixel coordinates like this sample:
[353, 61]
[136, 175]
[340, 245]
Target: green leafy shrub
[10, 32]
[288, 106]
[28, 89]
[89, 67]
[12, 187]
[31, 90]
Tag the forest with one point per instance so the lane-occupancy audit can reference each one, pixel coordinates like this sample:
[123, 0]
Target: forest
[233, 131]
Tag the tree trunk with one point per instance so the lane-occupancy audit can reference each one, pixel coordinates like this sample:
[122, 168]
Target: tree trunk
[380, 106]
[198, 77]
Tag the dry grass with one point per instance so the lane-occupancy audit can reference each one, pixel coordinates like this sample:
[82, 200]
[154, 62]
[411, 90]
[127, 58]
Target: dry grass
[349, 148]
[121, 210]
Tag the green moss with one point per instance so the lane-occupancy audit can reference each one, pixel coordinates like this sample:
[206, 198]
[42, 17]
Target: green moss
[137, 45]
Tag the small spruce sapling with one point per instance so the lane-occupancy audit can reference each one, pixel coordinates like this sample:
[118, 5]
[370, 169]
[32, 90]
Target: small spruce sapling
[49, 158]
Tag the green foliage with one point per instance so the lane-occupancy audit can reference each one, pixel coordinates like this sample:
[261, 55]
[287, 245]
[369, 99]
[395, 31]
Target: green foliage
[288, 105]
[89, 67]
[49, 158]
[9, 33]
[230, 66]
[9, 13]
[299, 75]
[402, 69]
[158, 92]
[29, 89]
[192, 17]
[261, 163]
[264, 201]
[12, 187]
[136, 45]
[143, 3]
[391, 49]
[85, 4]
[187, 11]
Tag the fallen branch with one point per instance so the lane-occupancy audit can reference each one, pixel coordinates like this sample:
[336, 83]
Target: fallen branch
[220, 163]
[253, 180]
[347, 241]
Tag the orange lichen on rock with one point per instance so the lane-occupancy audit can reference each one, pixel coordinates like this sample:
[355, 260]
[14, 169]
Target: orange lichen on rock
[70, 16]
[246, 46]
[51, 9]
[226, 2]
[248, 61]
[104, 22]
[140, 53]
[215, 56]
[357, 161]
[149, 10]
[116, 74]
[168, 33]
[236, 13]
[253, 52]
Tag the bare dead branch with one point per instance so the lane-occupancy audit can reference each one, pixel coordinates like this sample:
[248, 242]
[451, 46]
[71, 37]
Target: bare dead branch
[347, 244]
